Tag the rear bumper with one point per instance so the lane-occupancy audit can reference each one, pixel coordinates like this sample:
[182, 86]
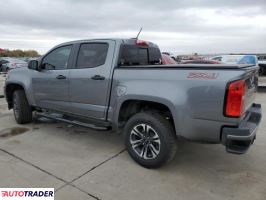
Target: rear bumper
[237, 140]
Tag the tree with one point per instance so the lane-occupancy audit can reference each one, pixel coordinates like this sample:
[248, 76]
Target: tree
[31, 53]
[19, 53]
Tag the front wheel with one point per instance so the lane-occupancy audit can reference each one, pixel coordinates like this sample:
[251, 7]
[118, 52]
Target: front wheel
[150, 139]
[22, 109]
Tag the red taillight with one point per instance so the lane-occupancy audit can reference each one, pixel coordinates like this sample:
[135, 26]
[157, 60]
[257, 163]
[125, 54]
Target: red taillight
[235, 99]
[142, 43]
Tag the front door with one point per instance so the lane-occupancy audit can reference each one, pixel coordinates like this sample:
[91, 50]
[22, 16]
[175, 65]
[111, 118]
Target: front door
[51, 84]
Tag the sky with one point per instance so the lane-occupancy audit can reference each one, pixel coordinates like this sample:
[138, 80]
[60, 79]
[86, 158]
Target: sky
[178, 26]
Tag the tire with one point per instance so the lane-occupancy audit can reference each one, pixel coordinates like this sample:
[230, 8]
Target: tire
[22, 109]
[261, 71]
[150, 139]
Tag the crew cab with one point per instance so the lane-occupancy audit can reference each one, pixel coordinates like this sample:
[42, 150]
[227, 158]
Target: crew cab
[121, 84]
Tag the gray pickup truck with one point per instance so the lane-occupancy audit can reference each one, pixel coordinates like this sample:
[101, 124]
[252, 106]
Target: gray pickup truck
[120, 84]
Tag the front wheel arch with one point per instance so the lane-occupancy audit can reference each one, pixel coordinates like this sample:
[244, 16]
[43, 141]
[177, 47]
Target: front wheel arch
[9, 91]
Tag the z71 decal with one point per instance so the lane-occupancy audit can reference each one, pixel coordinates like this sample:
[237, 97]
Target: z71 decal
[202, 75]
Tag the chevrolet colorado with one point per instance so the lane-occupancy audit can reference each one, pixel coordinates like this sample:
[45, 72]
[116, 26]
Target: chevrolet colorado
[120, 84]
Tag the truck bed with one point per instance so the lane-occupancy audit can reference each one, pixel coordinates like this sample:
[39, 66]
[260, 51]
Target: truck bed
[195, 66]
[195, 93]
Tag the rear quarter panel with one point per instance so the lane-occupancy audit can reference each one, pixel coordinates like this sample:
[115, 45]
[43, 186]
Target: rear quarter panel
[196, 103]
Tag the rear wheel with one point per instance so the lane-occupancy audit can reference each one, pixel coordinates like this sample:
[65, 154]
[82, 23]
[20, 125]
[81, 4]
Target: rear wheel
[22, 109]
[150, 139]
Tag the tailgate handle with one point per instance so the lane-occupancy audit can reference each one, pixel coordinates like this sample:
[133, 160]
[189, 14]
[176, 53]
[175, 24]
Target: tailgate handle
[98, 77]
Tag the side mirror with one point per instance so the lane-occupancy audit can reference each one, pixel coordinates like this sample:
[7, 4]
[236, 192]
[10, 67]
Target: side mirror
[34, 65]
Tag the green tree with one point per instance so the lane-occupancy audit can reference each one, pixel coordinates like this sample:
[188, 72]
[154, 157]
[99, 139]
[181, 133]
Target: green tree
[19, 53]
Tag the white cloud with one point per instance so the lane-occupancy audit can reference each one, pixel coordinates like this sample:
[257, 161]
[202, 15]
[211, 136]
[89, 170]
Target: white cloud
[205, 26]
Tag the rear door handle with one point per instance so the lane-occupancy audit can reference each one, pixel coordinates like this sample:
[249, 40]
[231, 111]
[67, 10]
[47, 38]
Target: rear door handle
[61, 77]
[98, 77]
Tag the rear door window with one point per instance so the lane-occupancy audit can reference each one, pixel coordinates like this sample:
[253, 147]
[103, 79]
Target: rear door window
[92, 55]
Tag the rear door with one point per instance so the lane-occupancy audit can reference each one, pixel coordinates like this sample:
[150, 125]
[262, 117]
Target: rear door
[90, 79]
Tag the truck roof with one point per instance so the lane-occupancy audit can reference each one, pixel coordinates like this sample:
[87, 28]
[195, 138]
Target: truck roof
[131, 41]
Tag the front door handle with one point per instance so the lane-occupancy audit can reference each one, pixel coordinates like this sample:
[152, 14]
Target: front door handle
[98, 77]
[61, 77]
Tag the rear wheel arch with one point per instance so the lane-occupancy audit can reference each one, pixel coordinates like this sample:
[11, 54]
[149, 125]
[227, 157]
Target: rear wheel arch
[130, 107]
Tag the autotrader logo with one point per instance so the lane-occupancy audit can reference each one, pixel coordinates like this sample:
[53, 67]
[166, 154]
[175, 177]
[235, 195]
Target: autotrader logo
[26, 193]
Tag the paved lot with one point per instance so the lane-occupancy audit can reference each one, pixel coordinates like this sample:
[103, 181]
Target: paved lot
[262, 81]
[2, 79]
[84, 164]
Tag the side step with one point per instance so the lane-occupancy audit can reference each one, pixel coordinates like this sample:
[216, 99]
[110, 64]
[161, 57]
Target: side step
[74, 122]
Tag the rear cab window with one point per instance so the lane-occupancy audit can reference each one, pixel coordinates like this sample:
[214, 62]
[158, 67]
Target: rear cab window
[132, 54]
